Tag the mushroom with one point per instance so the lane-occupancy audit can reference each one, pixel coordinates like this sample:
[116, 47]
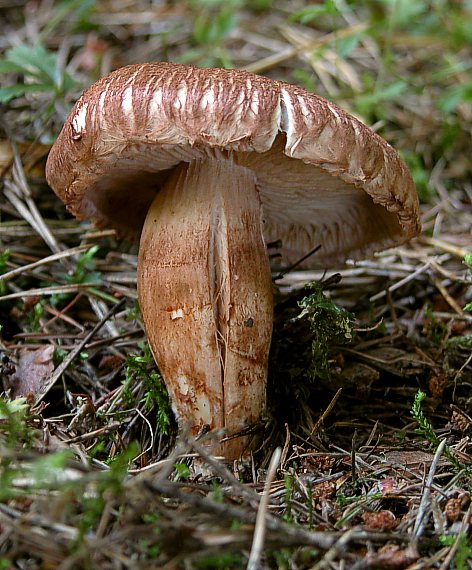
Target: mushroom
[209, 165]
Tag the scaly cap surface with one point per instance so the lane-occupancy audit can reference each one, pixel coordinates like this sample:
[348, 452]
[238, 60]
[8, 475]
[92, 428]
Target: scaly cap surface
[323, 177]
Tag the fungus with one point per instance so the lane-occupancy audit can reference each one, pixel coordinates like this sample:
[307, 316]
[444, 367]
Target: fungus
[208, 165]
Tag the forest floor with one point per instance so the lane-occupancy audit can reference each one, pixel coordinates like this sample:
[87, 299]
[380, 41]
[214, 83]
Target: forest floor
[365, 454]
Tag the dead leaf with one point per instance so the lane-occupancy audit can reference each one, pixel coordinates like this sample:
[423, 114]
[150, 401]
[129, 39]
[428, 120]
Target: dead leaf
[388, 486]
[110, 363]
[383, 520]
[460, 420]
[311, 463]
[456, 506]
[393, 557]
[358, 374]
[34, 366]
[437, 383]
[324, 490]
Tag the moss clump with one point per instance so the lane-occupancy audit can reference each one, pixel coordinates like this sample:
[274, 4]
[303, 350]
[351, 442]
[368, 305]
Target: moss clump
[330, 325]
[309, 326]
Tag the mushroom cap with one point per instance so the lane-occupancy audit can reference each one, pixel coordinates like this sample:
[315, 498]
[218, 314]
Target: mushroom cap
[323, 177]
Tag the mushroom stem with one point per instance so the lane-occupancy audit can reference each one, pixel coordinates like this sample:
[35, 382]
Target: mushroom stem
[205, 291]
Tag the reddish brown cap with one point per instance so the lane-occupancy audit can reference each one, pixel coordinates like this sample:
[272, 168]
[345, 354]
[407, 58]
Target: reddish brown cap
[323, 177]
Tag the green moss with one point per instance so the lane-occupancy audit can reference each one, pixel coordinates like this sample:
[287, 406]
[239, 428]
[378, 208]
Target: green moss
[330, 325]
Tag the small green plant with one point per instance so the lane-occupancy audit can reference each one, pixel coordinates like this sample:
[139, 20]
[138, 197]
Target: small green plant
[13, 426]
[99, 448]
[134, 313]
[282, 558]
[4, 257]
[435, 329]
[47, 471]
[143, 369]
[305, 78]
[151, 549]
[217, 492]
[307, 557]
[150, 518]
[213, 22]
[420, 175]
[39, 71]
[463, 553]
[344, 500]
[16, 435]
[315, 11]
[468, 262]
[370, 102]
[35, 316]
[75, 14]
[84, 271]
[425, 430]
[465, 340]
[329, 324]
[182, 472]
[106, 484]
[289, 482]
[454, 96]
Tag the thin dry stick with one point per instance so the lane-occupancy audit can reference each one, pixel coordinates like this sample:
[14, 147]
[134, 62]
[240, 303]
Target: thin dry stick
[462, 368]
[163, 469]
[260, 527]
[436, 265]
[283, 533]
[327, 411]
[57, 290]
[49, 383]
[402, 282]
[151, 445]
[338, 547]
[421, 518]
[23, 192]
[449, 300]
[10, 516]
[277, 58]
[104, 519]
[286, 446]
[94, 434]
[25, 268]
[100, 308]
[424, 562]
[444, 245]
[286, 534]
